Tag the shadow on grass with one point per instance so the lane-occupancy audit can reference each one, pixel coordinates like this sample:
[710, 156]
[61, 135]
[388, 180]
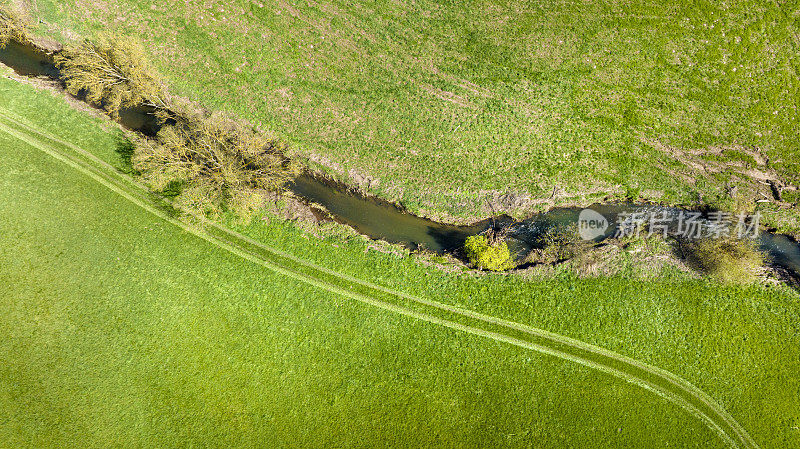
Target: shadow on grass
[126, 149]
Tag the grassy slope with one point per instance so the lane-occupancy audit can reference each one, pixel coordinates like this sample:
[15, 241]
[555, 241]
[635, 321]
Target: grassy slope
[443, 101]
[120, 330]
[739, 345]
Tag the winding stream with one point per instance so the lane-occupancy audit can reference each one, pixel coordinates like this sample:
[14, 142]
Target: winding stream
[382, 220]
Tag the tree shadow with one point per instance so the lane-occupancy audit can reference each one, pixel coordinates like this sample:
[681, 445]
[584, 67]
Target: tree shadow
[125, 149]
[449, 239]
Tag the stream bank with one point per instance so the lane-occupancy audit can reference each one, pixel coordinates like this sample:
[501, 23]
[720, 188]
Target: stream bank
[381, 220]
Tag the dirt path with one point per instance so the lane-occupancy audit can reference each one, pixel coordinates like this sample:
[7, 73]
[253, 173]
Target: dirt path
[656, 380]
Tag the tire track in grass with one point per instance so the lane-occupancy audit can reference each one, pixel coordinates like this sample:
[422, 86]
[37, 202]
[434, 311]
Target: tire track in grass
[654, 379]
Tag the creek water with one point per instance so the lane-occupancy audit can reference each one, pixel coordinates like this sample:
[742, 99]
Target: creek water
[382, 220]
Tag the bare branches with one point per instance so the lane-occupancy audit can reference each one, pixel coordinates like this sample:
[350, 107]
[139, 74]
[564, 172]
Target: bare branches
[498, 231]
[13, 27]
[113, 73]
[215, 163]
[221, 164]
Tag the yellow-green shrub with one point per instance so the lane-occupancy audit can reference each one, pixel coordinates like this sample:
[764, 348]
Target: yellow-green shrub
[486, 256]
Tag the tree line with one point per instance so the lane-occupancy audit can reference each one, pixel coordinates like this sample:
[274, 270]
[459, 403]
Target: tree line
[215, 163]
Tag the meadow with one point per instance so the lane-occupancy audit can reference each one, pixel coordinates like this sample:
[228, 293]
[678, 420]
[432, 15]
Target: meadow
[121, 328]
[443, 106]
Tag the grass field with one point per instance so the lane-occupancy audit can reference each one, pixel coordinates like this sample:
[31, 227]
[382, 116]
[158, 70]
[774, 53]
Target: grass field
[122, 328]
[441, 105]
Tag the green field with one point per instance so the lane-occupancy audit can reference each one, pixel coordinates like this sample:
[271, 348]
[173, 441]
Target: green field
[122, 328]
[442, 105]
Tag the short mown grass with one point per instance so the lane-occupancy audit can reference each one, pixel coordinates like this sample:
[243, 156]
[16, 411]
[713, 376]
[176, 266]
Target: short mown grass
[447, 104]
[126, 328]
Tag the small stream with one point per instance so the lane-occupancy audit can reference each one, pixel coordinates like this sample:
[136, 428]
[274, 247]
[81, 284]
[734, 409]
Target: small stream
[379, 219]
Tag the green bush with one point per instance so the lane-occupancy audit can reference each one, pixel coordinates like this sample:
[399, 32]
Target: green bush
[727, 259]
[486, 256]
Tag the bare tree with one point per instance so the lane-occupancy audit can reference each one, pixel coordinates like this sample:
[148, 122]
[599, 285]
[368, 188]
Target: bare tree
[221, 164]
[114, 73]
[13, 26]
[498, 232]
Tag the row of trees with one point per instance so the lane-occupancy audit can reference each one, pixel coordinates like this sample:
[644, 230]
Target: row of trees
[215, 163]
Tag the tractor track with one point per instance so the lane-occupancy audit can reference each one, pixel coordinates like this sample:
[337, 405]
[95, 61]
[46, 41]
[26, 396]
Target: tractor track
[654, 379]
